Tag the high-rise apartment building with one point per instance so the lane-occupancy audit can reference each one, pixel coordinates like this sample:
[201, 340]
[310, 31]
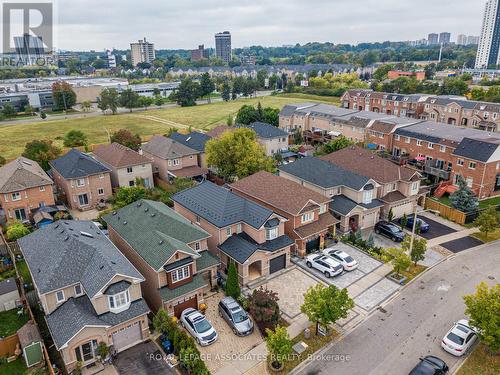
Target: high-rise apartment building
[433, 39]
[472, 39]
[223, 46]
[489, 43]
[444, 38]
[462, 40]
[142, 52]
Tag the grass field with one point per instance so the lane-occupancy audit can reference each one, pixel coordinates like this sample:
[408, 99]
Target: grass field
[14, 137]
[480, 362]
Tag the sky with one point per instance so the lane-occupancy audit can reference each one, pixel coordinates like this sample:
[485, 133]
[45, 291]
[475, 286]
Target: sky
[183, 24]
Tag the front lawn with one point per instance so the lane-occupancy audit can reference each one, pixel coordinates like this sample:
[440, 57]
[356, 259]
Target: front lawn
[10, 322]
[18, 367]
[493, 236]
[480, 362]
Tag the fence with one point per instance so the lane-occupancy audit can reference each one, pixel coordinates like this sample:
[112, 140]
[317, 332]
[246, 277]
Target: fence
[448, 212]
[8, 345]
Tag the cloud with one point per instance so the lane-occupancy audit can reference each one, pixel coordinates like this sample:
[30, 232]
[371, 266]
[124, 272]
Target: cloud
[98, 24]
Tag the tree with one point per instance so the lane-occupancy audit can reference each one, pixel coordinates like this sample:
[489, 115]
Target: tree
[63, 96]
[279, 345]
[271, 116]
[2, 161]
[207, 86]
[418, 249]
[8, 110]
[225, 92]
[187, 93]
[247, 114]
[390, 215]
[129, 194]
[237, 154]
[488, 221]
[463, 199]
[336, 144]
[86, 105]
[41, 151]
[145, 101]
[232, 283]
[454, 86]
[404, 221]
[16, 230]
[126, 138]
[483, 309]
[129, 99]
[75, 138]
[229, 121]
[399, 259]
[28, 109]
[264, 308]
[325, 305]
[109, 99]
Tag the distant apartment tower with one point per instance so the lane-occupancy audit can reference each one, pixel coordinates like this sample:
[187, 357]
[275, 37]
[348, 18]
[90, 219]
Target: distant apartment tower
[433, 39]
[489, 42]
[142, 52]
[29, 48]
[199, 54]
[472, 40]
[111, 59]
[444, 38]
[223, 46]
[462, 40]
[248, 60]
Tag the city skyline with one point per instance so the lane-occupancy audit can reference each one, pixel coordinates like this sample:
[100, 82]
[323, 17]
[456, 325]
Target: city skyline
[179, 26]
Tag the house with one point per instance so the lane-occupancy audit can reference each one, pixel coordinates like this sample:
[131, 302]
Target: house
[9, 294]
[89, 292]
[84, 181]
[354, 196]
[242, 231]
[24, 186]
[272, 138]
[306, 211]
[218, 131]
[399, 185]
[126, 165]
[169, 251]
[196, 141]
[172, 159]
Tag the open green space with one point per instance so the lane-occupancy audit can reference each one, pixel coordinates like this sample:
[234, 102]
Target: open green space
[480, 362]
[492, 236]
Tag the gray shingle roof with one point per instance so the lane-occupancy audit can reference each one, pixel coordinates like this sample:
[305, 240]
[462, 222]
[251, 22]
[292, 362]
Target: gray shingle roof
[7, 286]
[324, 174]
[477, 149]
[155, 231]
[116, 288]
[263, 130]
[166, 148]
[76, 313]
[221, 207]
[21, 174]
[194, 140]
[76, 164]
[67, 252]
[343, 205]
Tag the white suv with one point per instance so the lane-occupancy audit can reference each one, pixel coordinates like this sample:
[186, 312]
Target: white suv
[325, 264]
[347, 261]
[198, 326]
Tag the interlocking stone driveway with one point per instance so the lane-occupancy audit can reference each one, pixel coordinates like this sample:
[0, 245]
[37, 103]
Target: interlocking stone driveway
[376, 294]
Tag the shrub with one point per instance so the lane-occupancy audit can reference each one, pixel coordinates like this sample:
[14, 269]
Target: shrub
[16, 230]
[232, 283]
[263, 306]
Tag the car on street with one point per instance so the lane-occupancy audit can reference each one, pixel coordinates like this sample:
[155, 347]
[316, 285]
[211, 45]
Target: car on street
[325, 264]
[459, 338]
[424, 226]
[430, 365]
[390, 230]
[237, 318]
[347, 261]
[198, 326]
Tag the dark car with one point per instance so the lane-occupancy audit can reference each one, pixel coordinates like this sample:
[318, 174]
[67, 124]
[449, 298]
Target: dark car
[389, 230]
[424, 227]
[430, 365]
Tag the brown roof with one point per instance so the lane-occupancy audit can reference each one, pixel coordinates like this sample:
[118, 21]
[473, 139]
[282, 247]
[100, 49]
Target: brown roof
[217, 132]
[392, 197]
[366, 163]
[382, 127]
[28, 334]
[21, 174]
[278, 192]
[325, 221]
[192, 171]
[119, 156]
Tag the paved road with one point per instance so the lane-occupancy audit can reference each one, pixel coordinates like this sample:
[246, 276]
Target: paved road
[390, 343]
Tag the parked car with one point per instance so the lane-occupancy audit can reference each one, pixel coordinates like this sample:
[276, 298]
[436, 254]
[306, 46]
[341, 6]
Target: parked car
[237, 318]
[327, 265]
[459, 338]
[198, 326]
[430, 365]
[390, 230]
[424, 227]
[347, 261]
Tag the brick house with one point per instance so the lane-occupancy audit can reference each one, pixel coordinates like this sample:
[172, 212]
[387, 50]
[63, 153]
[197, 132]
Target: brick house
[84, 181]
[89, 292]
[354, 197]
[242, 231]
[195, 141]
[272, 138]
[172, 159]
[309, 219]
[125, 164]
[24, 186]
[169, 251]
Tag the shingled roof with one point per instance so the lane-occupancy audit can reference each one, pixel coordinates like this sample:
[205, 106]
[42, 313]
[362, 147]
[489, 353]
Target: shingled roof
[76, 164]
[21, 174]
[167, 148]
[480, 149]
[264, 130]
[119, 156]
[194, 140]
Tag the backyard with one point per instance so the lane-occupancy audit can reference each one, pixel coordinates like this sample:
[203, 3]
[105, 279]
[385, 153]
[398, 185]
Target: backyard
[16, 367]
[445, 199]
[10, 322]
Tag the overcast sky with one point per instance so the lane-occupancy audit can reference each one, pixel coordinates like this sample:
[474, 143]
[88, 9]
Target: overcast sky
[172, 24]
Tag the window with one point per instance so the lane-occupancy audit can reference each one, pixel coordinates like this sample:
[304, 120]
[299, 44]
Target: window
[197, 246]
[407, 140]
[228, 231]
[307, 217]
[442, 148]
[100, 191]
[119, 301]
[271, 233]
[414, 186]
[129, 169]
[176, 162]
[397, 137]
[497, 183]
[83, 199]
[322, 209]
[460, 162]
[78, 290]
[180, 274]
[472, 165]
[132, 183]
[238, 228]
[419, 142]
[101, 176]
[59, 296]
[393, 187]
[197, 219]
[430, 145]
[367, 196]
[16, 196]
[20, 214]
[80, 182]
[469, 181]
[42, 188]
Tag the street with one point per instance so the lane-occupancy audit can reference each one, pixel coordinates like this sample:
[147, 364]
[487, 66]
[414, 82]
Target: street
[390, 342]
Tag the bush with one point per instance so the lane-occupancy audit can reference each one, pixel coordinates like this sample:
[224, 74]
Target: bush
[16, 230]
[232, 284]
[263, 306]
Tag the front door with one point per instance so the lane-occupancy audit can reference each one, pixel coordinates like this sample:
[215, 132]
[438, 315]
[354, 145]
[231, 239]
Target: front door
[83, 199]
[86, 352]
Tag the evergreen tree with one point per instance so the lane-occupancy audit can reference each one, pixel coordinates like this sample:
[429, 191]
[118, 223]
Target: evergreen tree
[463, 199]
[232, 283]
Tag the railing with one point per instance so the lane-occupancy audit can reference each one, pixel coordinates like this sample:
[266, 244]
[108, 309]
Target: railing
[441, 173]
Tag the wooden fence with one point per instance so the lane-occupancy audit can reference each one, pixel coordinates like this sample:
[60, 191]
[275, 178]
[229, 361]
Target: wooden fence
[446, 211]
[8, 345]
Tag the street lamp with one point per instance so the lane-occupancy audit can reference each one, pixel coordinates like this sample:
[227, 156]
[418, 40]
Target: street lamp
[414, 228]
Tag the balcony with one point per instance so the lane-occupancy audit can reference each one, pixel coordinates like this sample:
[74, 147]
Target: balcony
[431, 168]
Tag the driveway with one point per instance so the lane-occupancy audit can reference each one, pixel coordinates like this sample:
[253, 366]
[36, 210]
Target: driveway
[461, 244]
[142, 359]
[436, 230]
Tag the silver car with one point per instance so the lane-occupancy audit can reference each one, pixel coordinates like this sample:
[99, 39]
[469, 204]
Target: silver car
[235, 316]
[198, 326]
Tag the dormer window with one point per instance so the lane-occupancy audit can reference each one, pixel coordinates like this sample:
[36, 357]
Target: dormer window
[271, 233]
[119, 302]
[368, 194]
[78, 290]
[180, 274]
[307, 217]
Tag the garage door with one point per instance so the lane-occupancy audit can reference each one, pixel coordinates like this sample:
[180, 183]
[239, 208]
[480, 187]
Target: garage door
[370, 220]
[400, 210]
[277, 263]
[127, 337]
[312, 245]
[191, 302]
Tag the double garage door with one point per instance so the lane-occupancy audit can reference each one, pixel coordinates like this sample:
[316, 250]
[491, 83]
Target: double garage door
[401, 209]
[127, 336]
[277, 264]
[191, 302]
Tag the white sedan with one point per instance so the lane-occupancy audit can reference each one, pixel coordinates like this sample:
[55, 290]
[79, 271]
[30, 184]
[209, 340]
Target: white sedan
[347, 261]
[327, 265]
[459, 338]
